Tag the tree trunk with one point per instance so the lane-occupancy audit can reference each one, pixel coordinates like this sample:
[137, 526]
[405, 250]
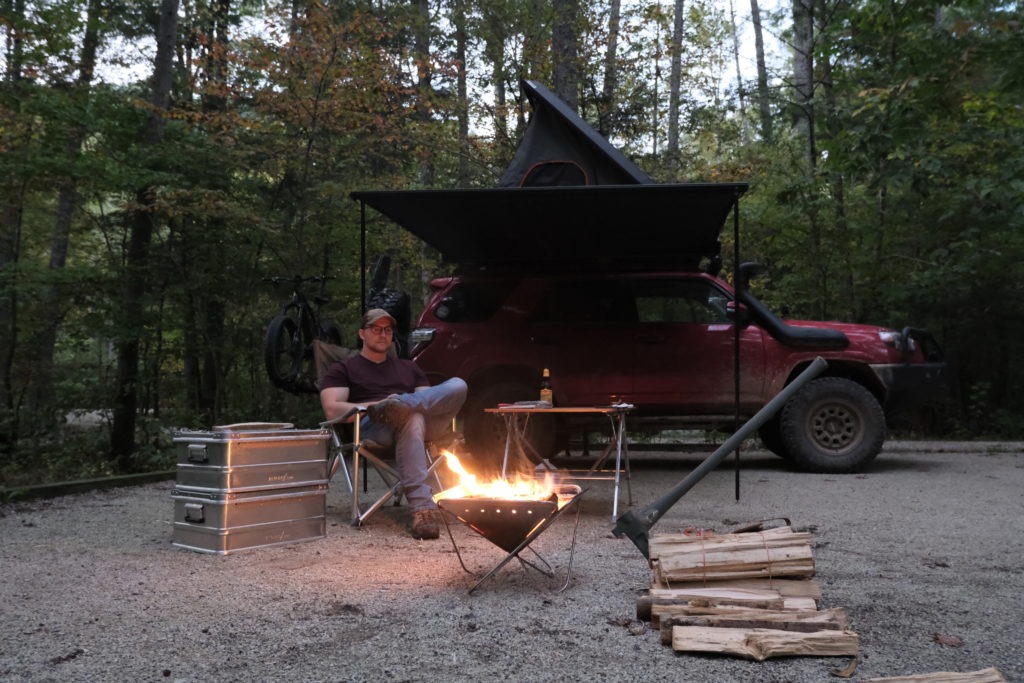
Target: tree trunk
[215, 105]
[740, 87]
[763, 94]
[462, 95]
[565, 52]
[424, 87]
[494, 51]
[803, 76]
[837, 187]
[67, 199]
[805, 123]
[11, 208]
[609, 101]
[674, 84]
[137, 261]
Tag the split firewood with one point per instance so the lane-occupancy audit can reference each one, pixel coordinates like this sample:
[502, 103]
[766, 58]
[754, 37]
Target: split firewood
[694, 608]
[659, 544]
[787, 588]
[834, 619]
[761, 643]
[794, 597]
[710, 597]
[772, 553]
[990, 675]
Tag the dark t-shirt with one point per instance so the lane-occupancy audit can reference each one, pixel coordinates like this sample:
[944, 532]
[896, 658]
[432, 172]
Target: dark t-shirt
[369, 381]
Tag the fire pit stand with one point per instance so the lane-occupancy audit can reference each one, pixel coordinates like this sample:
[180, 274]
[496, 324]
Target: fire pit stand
[512, 525]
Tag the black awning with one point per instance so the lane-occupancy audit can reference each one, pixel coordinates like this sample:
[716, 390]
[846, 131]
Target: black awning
[627, 226]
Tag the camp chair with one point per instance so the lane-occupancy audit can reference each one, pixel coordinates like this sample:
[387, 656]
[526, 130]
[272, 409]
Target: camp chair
[347, 443]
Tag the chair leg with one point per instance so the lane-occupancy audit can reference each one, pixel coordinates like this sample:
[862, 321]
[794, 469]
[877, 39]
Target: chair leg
[387, 474]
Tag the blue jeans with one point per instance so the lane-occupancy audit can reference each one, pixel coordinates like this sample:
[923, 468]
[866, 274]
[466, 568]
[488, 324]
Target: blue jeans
[433, 411]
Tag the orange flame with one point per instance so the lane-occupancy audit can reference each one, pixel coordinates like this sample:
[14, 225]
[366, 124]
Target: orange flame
[503, 489]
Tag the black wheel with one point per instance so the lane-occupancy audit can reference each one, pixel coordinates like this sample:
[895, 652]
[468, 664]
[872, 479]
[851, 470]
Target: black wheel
[771, 437]
[832, 425]
[485, 433]
[283, 350]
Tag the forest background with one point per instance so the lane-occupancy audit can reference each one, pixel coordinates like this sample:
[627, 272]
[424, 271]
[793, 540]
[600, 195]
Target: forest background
[160, 160]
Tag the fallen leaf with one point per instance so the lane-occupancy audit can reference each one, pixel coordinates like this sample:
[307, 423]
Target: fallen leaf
[948, 641]
[847, 671]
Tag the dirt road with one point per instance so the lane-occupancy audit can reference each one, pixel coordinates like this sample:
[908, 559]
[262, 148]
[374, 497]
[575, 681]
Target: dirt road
[925, 551]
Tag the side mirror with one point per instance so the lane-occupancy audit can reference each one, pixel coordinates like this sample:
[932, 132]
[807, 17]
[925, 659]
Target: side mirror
[738, 314]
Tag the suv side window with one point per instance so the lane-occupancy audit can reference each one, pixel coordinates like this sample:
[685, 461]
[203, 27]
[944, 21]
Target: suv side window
[679, 301]
[473, 302]
[586, 301]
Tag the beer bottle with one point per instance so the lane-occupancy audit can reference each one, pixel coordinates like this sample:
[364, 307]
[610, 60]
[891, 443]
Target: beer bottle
[545, 387]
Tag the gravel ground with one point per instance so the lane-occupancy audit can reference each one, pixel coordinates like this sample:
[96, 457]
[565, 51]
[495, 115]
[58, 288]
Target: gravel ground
[924, 549]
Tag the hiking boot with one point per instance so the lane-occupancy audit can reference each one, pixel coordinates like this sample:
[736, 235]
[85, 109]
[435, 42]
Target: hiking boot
[424, 524]
[391, 411]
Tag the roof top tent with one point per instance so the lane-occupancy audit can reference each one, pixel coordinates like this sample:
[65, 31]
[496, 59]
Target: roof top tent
[560, 148]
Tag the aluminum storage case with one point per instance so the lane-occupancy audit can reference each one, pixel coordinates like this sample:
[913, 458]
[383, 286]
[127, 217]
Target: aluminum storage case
[251, 457]
[225, 522]
[249, 485]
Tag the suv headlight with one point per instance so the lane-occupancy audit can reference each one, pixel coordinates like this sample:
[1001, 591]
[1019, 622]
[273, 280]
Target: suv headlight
[421, 335]
[419, 339]
[894, 339]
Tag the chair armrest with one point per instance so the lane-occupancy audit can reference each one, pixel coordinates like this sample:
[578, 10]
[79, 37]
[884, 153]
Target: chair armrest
[346, 417]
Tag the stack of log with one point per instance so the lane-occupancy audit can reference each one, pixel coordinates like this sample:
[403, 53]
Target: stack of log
[748, 594]
[752, 594]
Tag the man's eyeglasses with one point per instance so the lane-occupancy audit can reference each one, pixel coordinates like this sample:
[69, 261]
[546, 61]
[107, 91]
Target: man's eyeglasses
[377, 329]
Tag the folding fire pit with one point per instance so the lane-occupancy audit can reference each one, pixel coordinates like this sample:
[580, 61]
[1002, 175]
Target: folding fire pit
[513, 524]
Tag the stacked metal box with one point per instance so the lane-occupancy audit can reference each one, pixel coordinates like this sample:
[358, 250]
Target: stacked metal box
[249, 485]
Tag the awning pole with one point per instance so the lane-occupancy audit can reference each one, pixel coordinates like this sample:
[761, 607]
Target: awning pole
[736, 329]
[362, 257]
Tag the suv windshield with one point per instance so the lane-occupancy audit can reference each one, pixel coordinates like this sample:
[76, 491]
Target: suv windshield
[473, 302]
[638, 300]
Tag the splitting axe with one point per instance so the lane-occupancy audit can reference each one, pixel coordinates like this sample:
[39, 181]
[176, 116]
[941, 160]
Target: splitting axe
[635, 525]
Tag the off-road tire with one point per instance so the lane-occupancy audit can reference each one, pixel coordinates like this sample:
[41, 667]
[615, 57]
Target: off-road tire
[832, 425]
[282, 352]
[485, 432]
[770, 434]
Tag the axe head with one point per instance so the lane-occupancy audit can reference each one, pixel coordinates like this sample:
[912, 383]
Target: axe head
[635, 527]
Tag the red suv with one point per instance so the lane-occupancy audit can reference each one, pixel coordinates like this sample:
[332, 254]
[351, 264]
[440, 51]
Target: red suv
[664, 341]
[580, 263]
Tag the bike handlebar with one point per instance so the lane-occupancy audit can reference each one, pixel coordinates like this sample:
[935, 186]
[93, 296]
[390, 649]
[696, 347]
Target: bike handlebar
[297, 280]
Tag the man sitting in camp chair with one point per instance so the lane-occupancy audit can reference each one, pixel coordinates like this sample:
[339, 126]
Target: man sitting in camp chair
[402, 409]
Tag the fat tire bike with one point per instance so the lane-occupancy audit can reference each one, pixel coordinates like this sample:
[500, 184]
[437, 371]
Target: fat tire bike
[288, 344]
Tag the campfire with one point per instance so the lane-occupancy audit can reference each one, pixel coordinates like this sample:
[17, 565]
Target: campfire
[508, 513]
[519, 488]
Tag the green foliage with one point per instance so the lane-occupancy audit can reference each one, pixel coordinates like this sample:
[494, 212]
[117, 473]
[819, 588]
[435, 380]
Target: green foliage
[909, 215]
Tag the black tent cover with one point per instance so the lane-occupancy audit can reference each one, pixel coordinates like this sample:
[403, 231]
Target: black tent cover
[568, 200]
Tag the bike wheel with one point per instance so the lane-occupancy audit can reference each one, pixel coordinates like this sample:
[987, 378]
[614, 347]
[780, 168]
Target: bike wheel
[282, 351]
